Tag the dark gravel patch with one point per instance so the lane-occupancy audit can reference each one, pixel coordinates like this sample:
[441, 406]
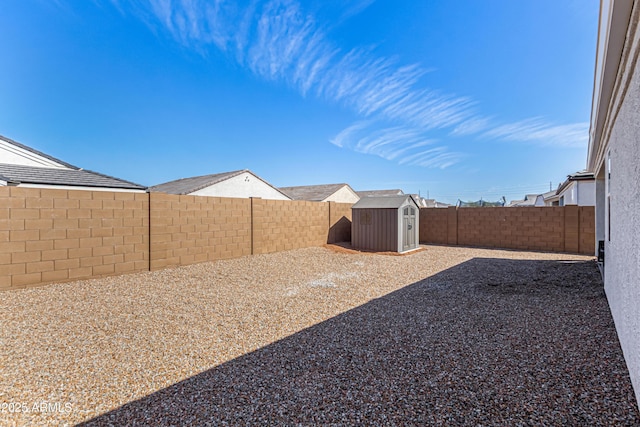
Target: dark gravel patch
[488, 342]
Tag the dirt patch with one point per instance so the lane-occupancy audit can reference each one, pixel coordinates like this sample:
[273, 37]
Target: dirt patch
[346, 248]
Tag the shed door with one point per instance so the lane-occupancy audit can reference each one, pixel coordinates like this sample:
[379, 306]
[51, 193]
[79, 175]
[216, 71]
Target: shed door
[408, 228]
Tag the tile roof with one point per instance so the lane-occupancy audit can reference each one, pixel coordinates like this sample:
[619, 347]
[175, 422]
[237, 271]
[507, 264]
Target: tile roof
[19, 174]
[315, 193]
[195, 183]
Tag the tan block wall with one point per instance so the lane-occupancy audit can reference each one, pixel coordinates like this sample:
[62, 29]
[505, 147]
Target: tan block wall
[434, 226]
[50, 235]
[280, 225]
[191, 229]
[555, 229]
[587, 217]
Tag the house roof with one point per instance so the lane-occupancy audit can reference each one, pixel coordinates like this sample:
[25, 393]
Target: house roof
[195, 183]
[433, 203]
[190, 185]
[38, 153]
[578, 176]
[369, 193]
[383, 202]
[19, 174]
[315, 193]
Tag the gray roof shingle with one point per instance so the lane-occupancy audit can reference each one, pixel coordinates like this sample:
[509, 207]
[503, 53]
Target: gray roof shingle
[383, 202]
[19, 174]
[370, 193]
[195, 183]
[314, 193]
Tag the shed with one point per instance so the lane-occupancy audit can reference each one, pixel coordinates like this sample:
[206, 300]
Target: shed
[387, 223]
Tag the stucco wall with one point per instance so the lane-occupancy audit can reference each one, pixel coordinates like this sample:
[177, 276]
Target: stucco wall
[244, 185]
[14, 155]
[343, 195]
[581, 193]
[622, 251]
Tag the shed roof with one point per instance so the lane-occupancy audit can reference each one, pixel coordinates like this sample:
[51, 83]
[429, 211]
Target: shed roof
[314, 193]
[19, 174]
[383, 202]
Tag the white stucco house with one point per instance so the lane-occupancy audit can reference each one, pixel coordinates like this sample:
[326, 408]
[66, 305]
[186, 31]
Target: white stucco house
[23, 166]
[341, 193]
[235, 184]
[578, 189]
[614, 160]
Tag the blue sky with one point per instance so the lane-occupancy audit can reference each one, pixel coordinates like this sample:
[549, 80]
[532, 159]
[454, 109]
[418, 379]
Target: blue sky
[469, 100]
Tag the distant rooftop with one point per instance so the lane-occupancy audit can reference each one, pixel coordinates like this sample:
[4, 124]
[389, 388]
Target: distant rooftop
[190, 185]
[315, 193]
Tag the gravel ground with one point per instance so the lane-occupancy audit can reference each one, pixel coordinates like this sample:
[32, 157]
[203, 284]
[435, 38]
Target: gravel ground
[448, 335]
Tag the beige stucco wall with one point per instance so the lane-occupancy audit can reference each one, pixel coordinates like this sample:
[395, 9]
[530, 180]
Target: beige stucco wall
[343, 195]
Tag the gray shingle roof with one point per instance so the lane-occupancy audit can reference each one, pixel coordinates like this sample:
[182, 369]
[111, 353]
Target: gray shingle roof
[315, 193]
[19, 174]
[195, 183]
[383, 202]
[369, 193]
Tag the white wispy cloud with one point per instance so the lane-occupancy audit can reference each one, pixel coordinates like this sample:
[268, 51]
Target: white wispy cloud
[539, 131]
[280, 42]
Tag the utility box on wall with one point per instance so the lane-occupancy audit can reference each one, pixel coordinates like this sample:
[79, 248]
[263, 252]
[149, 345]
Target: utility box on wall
[386, 223]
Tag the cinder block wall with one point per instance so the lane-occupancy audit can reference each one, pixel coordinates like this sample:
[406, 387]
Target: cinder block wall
[49, 235]
[434, 226]
[191, 229]
[58, 235]
[283, 225]
[556, 229]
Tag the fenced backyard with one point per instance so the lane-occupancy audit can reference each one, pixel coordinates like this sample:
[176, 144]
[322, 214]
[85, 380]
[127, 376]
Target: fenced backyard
[51, 235]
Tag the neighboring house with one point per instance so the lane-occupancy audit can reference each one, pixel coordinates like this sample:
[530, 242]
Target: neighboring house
[235, 184]
[550, 198]
[433, 203]
[529, 200]
[378, 193]
[578, 189]
[613, 158]
[341, 193]
[23, 166]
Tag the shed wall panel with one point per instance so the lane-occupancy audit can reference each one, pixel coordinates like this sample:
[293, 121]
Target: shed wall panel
[375, 229]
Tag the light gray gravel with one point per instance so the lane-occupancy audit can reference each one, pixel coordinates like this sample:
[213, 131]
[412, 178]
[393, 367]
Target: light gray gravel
[452, 336]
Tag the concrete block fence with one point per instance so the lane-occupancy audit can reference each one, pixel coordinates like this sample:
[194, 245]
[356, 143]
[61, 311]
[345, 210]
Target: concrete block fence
[51, 235]
[550, 228]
